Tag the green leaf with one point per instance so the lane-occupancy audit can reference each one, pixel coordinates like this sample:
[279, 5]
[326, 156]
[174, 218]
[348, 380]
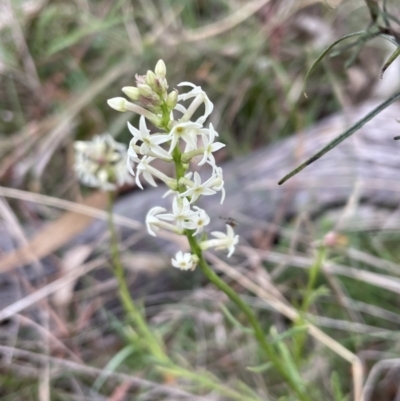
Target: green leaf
[325, 52]
[234, 321]
[360, 44]
[112, 365]
[342, 137]
[261, 368]
[393, 57]
[289, 333]
[336, 387]
[288, 361]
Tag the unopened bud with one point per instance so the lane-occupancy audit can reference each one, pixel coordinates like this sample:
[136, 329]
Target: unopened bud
[145, 90]
[132, 92]
[151, 79]
[118, 103]
[160, 70]
[172, 99]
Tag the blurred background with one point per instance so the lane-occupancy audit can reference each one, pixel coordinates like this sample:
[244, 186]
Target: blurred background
[59, 63]
[61, 60]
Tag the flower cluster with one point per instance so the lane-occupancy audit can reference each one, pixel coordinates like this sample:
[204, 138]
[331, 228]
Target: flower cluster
[101, 163]
[182, 139]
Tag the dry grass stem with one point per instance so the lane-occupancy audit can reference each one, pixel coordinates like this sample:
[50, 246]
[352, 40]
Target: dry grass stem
[88, 370]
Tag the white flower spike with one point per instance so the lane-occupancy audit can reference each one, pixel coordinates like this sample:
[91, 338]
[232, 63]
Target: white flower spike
[101, 163]
[185, 140]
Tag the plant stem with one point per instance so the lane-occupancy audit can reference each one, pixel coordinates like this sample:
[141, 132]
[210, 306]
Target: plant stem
[167, 366]
[297, 387]
[312, 278]
[131, 309]
[307, 300]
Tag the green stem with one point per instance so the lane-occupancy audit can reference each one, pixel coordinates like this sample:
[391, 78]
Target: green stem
[312, 278]
[297, 387]
[150, 340]
[131, 309]
[165, 117]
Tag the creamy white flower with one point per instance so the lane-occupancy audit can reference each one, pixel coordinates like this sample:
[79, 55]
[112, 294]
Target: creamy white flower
[153, 222]
[210, 146]
[216, 182]
[188, 131]
[222, 241]
[130, 162]
[195, 188]
[101, 162]
[200, 97]
[184, 261]
[150, 143]
[180, 212]
[150, 171]
[198, 221]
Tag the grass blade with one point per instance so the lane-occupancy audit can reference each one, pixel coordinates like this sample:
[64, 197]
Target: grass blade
[342, 137]
[392, 58]
[324, 53]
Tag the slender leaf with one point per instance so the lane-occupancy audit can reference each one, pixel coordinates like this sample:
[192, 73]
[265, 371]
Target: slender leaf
[289, 333]
[234, 321]
[325, 52]
[112, 365]
[392, 58]
[261, 368]
[342, 137]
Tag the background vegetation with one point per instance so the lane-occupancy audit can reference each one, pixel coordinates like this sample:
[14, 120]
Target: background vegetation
[59, 63]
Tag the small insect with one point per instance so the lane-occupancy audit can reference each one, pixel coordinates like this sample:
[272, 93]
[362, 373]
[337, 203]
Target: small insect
[230, 221]
[396, 138]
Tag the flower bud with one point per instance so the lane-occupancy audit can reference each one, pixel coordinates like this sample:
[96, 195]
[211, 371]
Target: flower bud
[145, 90]
[172, 99]
[118, 103]
[151, 79]
[132, 92]
[161, 69]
